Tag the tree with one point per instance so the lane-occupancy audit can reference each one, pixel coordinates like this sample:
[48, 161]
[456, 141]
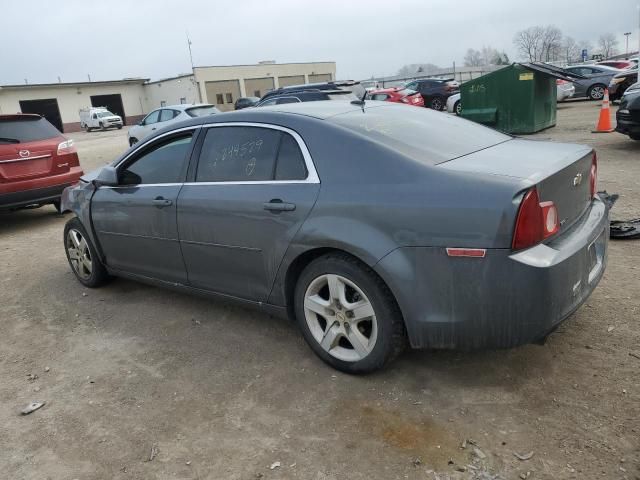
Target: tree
[608, 44]
[473, 58]
[570, 50]
[528, 42]
[539, 44]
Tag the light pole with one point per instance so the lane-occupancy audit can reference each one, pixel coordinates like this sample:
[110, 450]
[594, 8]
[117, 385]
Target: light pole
[626, 35]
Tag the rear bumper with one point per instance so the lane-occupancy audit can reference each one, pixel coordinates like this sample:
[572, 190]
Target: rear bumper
[39, 192]
[503, 300]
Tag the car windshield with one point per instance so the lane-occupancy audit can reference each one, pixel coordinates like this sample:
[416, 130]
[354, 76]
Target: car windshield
[105, 114]
[419, 133]
[27, 129]
[201, 111]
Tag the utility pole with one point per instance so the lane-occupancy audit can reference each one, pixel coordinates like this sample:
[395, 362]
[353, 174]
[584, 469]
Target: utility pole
[189, 45]
[626, 35]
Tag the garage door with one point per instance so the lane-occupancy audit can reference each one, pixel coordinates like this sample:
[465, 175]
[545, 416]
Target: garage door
[321, 77]
[112, 102]
[291, 80]
[257, 87]
[223, 93]
[47, 107]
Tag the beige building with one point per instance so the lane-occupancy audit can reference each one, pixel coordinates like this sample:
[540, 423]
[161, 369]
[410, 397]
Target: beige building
[61, 102]
[133, 98]
[223, 85]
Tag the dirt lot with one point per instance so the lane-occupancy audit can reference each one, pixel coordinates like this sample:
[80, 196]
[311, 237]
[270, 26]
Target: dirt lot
[216, 391]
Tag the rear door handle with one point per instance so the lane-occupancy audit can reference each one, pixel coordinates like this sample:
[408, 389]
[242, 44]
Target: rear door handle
[278, 205]
[161, 202]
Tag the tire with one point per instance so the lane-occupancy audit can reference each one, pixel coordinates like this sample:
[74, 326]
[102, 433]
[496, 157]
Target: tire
[82, 255]
[56, 204]
[102, 127]
[457, 108]
[379, 335]
[634, 136]
[119, 127]
[87, 128]
[132, 141]
[596, 92]
[437, 103]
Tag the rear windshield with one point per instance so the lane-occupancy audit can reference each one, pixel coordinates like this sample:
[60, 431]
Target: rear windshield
[201, 111]
[425, 135]
[27, 129]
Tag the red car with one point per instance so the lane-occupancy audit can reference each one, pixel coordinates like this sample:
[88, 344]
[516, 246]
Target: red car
[36, 162]
[621, 64]
[399, 95]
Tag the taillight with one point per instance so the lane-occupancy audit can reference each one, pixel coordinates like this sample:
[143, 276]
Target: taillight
[536, 221]
[66, 147]
[593, 177]
[560, 82]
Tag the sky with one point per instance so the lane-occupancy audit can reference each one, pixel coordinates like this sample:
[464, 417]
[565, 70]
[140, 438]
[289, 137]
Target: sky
[41, 40]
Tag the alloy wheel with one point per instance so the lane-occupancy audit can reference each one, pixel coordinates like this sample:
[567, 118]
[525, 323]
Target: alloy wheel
[597, 92]
[436, 104]
[340, 317]
[79, 254]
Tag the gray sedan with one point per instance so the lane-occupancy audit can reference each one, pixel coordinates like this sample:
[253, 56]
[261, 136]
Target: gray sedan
[372, 225]
[596, 81]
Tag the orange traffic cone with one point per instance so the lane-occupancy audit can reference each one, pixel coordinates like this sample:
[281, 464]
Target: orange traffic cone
[604, 122]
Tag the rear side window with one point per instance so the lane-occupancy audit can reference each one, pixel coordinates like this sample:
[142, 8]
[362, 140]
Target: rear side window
[27, 129]
[238, 154]
[166, 114]
[249, 154]
[164, 163]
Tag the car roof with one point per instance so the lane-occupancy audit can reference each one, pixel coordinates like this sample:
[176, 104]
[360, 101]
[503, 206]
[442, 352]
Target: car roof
[388, 90]
[594, 65]
[184, 106]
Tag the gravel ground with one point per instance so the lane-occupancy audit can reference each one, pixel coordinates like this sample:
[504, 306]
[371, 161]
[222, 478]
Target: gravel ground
[143, 383]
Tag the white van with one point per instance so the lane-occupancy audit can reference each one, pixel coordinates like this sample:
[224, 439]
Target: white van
[99, 117]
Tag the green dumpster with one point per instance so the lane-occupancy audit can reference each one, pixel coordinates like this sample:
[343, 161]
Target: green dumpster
[519, 98]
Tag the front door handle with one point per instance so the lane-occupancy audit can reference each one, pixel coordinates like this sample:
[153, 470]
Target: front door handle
[161, 202]
[277, 205]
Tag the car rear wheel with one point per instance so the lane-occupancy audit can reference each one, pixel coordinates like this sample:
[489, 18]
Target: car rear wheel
[437, 103]
[457, 108]
[347, 314]
[634, 136]
[82, 256]
[596, 92]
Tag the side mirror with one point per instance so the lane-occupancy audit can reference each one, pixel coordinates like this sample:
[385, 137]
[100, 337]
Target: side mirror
[108, 177]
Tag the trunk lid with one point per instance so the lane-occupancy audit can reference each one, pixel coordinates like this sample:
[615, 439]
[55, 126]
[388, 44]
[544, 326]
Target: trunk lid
[28, 148]
[561, 172]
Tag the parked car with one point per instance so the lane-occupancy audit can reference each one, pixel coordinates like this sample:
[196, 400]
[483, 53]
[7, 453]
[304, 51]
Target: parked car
[596, 81]
[454, 105]
[371, 225]
[36, 162]
[564, 90]
[164, 116]
[620, 64]
[245, 102]
[397, 95]
[628, 114]
[621, 81]
[312, 92]
[435, 91]
[99, 117]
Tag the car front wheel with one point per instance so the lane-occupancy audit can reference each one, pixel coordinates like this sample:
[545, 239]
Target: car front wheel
[82, 255]
[347, 314]
[596, 92]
